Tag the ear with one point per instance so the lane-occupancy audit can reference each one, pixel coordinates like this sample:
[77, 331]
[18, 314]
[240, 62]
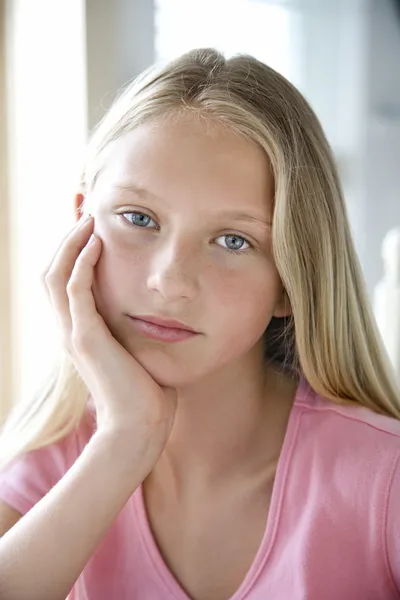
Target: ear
[283, 308]
[79, 198]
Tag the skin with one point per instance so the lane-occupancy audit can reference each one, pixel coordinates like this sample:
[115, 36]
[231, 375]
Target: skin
[231, 410]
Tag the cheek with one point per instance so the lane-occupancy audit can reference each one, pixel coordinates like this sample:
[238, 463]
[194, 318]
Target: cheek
[247, 285]
[245, 300]
[119, 272]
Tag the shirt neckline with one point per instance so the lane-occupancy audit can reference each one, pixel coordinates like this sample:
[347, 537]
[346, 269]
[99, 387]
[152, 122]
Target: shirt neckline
[274, 515]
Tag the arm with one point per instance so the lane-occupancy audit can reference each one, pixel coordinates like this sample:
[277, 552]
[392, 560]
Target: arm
[392, 524]
[51, 545]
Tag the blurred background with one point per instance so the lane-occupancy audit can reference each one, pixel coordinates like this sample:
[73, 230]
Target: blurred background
[62, 62]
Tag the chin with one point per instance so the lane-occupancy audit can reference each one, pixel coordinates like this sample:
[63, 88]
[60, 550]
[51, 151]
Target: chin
[166, 372]
[168, 369]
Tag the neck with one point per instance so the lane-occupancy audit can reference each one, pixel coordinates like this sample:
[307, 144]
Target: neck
[231, 425]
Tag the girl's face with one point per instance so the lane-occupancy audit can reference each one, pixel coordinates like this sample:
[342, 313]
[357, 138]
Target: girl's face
[184, 212]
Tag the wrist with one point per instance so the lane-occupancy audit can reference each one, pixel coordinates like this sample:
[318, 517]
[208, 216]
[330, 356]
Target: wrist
[122, 450]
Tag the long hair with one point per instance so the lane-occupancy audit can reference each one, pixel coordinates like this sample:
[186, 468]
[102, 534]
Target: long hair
[331, 339]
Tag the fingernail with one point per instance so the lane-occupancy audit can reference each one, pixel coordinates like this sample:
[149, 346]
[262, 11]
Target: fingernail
[84, 220]
[92, 239]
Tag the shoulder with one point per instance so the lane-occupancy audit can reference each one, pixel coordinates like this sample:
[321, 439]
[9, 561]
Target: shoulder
[352, 450]
[354, 425]
[355, 454]
[28, 478]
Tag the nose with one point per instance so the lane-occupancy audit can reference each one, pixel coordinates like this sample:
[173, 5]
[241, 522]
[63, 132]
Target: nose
[174, 273]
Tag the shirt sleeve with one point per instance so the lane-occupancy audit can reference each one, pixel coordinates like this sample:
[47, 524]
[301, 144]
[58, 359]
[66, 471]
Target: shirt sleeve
[393, 526]
[30, 477]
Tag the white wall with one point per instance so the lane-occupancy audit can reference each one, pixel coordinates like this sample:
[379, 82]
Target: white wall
[267, 30]
[333, 80]
[120, 44]
[6, 380]
[351, 76]
[47, 132]
[382, 143]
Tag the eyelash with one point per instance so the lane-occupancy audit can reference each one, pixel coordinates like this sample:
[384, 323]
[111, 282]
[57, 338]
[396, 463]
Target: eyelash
[236, 252]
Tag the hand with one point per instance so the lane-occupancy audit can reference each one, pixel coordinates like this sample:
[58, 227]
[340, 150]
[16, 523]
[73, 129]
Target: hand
[127, 399]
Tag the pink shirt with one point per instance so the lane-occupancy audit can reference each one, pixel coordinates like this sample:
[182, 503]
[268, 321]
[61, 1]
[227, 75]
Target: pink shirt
[333, 529]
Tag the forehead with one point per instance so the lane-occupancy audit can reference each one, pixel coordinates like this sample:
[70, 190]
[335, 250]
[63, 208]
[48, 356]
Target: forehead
[189, 160]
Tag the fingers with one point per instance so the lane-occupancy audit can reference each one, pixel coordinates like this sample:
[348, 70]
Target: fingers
[86, 321]
[75, 228]
[59, 273]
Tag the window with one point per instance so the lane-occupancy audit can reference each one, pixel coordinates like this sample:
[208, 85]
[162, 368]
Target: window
[267, 30]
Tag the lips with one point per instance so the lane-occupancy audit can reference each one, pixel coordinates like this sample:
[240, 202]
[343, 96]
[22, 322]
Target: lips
[162, 330]
[167, 323]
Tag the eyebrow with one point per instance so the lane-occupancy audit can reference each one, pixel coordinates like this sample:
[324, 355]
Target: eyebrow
[258, 219]
[139, 191]
[228, 214]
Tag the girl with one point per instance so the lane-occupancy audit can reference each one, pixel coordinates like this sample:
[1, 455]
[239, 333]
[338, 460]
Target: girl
[224, 424]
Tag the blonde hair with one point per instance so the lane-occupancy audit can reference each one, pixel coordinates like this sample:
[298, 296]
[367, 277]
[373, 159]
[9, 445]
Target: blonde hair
[331, 338]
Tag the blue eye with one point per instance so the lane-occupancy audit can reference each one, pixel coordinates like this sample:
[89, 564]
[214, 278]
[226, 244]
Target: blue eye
[232, 242]
[139, 219]
[235, 243]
